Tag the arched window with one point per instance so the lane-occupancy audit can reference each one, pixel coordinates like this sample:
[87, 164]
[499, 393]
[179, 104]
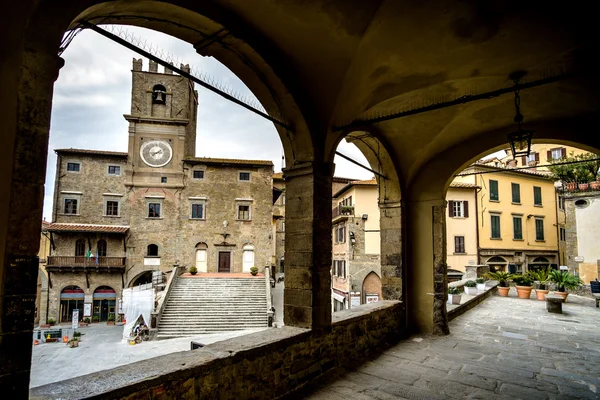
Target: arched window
[80, 248]
[496, 260]
[497, 264]
[201, 254]
[541, 260]
[101, 248]
[248, 257]
[152, 250]
[159, 94]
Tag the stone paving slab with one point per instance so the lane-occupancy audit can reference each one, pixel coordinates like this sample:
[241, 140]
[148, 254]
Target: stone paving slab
[505, 348]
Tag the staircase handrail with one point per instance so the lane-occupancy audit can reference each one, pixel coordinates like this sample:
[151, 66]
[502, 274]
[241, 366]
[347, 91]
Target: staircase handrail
[157, 314]
[269, 296]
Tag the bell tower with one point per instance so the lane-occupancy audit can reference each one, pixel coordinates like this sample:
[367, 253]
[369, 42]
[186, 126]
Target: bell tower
[162, 126]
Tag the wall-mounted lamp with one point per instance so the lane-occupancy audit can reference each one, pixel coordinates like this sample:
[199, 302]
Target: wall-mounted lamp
[352, 238]
[365, 216]
[529, 216]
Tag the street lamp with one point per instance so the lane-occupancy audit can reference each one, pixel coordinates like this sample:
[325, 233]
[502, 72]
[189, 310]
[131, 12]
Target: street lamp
[520, 139]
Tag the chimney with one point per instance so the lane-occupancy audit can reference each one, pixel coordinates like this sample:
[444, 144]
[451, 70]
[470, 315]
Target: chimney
[153, 66]
[137, 64]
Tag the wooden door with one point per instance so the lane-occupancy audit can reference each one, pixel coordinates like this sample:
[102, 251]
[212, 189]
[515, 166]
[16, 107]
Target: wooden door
[224, 261]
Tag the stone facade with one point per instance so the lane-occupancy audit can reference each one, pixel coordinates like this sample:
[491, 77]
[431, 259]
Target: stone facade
[215, 214]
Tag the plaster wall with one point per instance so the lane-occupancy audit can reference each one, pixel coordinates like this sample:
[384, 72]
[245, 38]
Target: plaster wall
[588, 237]
[367, 203]
[466, 227]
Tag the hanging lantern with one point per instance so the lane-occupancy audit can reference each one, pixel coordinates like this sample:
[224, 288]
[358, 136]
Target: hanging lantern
[519, 140]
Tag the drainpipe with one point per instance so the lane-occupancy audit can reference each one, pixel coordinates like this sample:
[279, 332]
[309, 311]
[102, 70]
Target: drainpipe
[477, 223]
[557, 225]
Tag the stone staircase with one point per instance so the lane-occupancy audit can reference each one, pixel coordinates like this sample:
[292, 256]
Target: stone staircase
[201, 305]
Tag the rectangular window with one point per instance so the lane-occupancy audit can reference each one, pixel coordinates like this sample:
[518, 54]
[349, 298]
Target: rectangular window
[516, 193]
[561, 203]
[153, 210]
[495, 224]
[539, 229]
[283, 227]
[197, 211]
[198, 174]
[163, 179]
[73, 167]
[517, 228]
[70, 206]
[244, 176]
[341, 234]
[537, 196]
[458, 209]
[494, 195]
[556, 154]
[283, 199]
[563, 234]
[112, 208]
[532, 157]
[459, 244]
[243, 212]
[114, 170]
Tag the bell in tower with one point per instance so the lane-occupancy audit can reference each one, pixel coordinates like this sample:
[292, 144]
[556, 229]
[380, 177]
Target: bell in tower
[159, 94]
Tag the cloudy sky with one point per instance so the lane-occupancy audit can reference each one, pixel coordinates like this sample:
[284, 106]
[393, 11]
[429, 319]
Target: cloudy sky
[93, 92]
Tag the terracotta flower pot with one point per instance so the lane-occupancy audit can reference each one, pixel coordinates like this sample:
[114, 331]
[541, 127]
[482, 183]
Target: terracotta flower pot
[571, 186]
[541, 294]
[503, 291]
[562, 294]
[583, 186]
[524, 292]
[595, 185]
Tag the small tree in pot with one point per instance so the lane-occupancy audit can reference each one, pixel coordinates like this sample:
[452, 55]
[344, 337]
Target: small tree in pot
[524, 286]
[254, 271]
[193, 270]
[563, 281]
[502, 277]
[541, 276]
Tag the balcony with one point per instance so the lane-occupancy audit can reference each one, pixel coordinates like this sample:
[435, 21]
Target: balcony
[342, 211]
[74, 263]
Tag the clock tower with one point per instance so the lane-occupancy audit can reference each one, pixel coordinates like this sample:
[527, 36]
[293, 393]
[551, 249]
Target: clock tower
[162, 126]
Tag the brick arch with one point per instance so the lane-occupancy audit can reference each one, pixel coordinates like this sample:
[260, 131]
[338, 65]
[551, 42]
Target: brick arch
[371, 285]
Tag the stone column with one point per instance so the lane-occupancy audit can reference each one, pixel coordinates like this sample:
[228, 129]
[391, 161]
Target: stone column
[425, 273]
[19, 270]
[307, 294]
[390, 223]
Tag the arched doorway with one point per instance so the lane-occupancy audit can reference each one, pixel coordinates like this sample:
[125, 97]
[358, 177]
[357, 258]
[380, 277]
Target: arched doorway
[371, 288]
[71, 298]
[142, 279]
[497, 263]
[104, 303]
[201, 257]
[247, 258]
[538, 263]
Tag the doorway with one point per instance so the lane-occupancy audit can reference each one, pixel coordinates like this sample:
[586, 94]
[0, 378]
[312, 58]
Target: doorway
[224, 261]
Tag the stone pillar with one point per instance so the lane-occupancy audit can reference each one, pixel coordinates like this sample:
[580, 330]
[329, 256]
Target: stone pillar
[307, 294]
[426, 277]
[19, 269]
[390, 223]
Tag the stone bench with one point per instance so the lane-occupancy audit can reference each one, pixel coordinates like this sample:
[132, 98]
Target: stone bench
[554, 303]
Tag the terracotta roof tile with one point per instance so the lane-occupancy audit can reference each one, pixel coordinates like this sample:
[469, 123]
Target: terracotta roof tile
[367, 182]
[278, 175]
[463, 185]
[65, 227]
[207, 160]
[93, 152]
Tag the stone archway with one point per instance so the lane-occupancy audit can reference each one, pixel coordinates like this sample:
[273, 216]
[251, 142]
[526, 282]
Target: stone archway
[371, 288]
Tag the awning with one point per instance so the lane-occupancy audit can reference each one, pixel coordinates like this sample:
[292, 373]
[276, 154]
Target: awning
[338, 297]
[92, 228]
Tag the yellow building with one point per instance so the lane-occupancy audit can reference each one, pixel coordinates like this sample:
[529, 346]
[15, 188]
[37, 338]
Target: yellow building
[516, 218]
[541, 155]
[41, 300]
[461, 226]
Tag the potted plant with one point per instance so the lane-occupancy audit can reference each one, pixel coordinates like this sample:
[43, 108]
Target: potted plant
[51, 339]
[347, 210]
[453, 295]
[95, 318]
[254, 271]
[541, 276]
[502, 277]
[111, 319]
[524, 285]
[193, 270]
[51, 321]
[471, 288]
[84, 322]
[563, 281]
[480, 284]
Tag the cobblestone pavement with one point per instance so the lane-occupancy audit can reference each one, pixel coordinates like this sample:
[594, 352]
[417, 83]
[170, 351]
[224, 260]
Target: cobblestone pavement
[505, 348]
[101, 348]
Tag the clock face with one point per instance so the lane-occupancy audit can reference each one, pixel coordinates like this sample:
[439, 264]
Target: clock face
[156, 153]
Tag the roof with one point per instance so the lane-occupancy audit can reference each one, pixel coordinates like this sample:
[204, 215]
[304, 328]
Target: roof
[207, 160]
[65, 227]
[368, 182]
[91, 152]
[279, 176]
[542, 174]
[463, 185]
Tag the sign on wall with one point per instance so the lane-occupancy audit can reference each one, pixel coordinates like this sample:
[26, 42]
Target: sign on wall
[151, 261]
[579, 259]
[372, 298]
[87, 310]
[354, 299]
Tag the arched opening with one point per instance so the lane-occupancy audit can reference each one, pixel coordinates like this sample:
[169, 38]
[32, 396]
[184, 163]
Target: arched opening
[80, 248]
[540, 263]
[152, 250]
[247, 258]
[497, 264]
[104, 303]
[142, 279]
[159, 94]
[71, 298]
[101, 248]
[371, 288]
[202, 257]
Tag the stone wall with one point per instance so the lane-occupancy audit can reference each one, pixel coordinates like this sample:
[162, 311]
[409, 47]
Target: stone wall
[266, 364]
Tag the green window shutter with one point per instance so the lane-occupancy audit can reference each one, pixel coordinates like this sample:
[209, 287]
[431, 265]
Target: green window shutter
[537, 195]
[494, 190]
[516, 192]
[495, 227]
[539, 229]
[517, 228]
